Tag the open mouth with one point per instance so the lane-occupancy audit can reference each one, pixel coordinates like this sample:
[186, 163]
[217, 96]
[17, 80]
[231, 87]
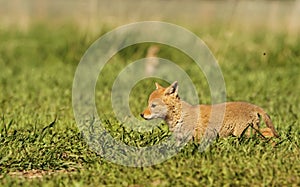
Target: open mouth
[143, 116]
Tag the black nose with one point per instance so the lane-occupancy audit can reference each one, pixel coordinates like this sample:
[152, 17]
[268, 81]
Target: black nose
[142, 115]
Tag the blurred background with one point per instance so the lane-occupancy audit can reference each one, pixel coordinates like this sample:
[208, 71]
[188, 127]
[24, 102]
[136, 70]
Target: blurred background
[257, 46]
[92, 14]
[246, 37]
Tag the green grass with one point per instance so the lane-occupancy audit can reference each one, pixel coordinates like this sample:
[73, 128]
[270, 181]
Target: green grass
[38, 133]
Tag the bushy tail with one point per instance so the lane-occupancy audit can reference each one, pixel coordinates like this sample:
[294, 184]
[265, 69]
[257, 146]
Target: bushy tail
[268, 122]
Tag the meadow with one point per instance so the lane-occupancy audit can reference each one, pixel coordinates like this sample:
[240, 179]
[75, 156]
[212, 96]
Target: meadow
[40, 144]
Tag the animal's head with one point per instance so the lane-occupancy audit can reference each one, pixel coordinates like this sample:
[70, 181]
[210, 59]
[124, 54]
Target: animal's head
[161, 102]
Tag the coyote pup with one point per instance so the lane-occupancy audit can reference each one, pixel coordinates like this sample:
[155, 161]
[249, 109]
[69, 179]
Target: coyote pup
[237, 116]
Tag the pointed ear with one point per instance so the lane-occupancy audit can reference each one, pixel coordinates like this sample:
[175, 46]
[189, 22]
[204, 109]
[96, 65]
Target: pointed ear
[158, 86]
[172, 89]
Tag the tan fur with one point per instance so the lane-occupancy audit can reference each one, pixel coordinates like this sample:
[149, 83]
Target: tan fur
[239, 117]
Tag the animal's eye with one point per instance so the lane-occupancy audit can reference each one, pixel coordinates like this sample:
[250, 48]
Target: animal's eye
[153, 105]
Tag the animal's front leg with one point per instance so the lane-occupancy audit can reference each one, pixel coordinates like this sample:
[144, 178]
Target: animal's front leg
[182, 135]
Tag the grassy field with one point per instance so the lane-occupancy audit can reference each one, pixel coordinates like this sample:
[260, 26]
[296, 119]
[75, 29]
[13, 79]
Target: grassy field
[40, 144]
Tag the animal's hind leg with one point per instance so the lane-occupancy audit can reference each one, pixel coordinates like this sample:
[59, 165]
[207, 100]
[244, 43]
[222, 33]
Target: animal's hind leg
[250, 129]
[266, 132]
[253, 128]
[248, 132]
[263, 132]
